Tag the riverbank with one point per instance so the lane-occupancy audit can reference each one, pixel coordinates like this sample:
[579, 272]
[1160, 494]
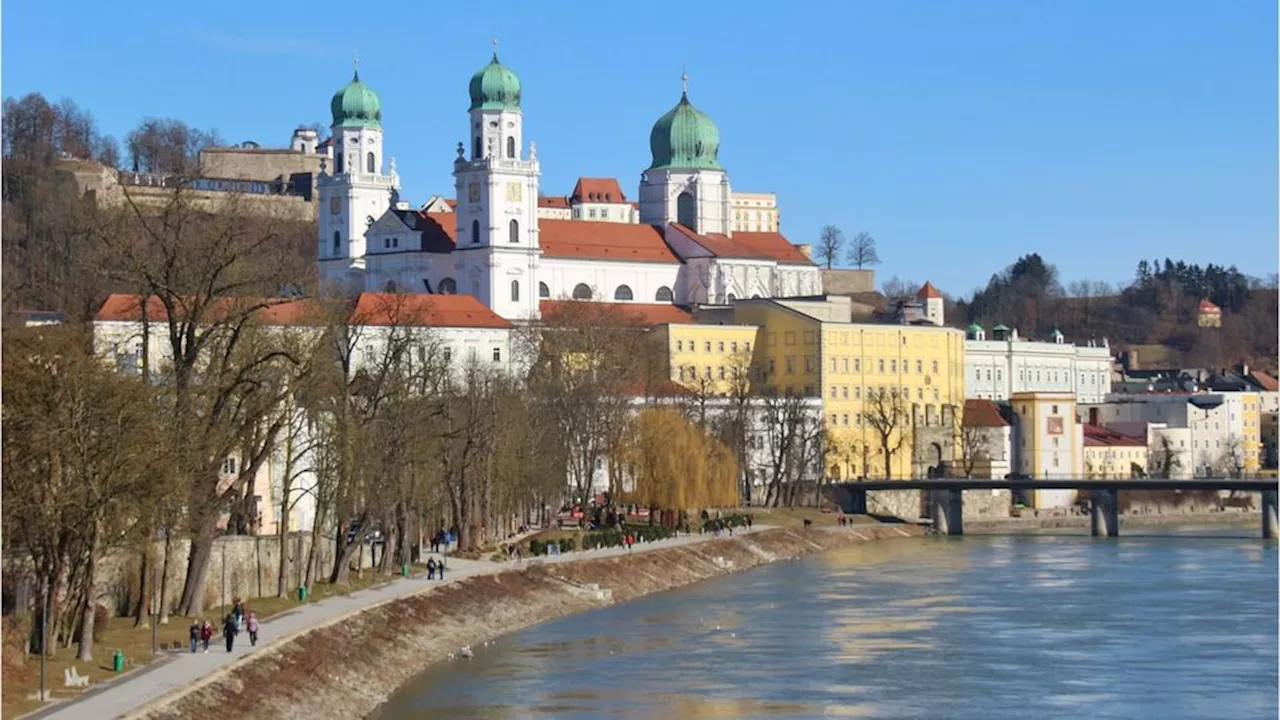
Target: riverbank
[348, 667]
[989, 526]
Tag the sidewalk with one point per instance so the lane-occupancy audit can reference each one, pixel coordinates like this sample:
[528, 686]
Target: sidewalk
[150, 683]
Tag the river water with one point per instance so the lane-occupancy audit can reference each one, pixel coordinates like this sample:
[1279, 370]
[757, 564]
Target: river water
[1181, 624]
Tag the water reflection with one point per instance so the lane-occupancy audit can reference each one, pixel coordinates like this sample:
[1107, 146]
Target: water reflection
[994, 627]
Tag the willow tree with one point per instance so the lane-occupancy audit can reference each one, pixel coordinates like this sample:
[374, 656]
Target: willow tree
[673, 463]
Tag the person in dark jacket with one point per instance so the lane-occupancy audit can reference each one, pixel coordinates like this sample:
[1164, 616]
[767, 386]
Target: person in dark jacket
[206, 634]
[431, 568]
[229, 629]
[195, 634]
[440, 568]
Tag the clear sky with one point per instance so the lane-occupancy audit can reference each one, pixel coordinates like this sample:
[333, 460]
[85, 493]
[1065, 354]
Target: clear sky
[960, 134]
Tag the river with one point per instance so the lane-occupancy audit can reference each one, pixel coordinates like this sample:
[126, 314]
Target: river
[1171, 624]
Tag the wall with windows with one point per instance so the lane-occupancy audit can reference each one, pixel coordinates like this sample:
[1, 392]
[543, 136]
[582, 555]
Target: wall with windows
[608, 281]
[1048, 442]
[708, 358]
[996, 369]
[455, 347]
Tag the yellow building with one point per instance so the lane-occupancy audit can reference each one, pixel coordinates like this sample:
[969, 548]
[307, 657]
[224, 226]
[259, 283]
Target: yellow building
[1112, 455]
[1048, 442]
[707, 358]
[1251, 432]
[754, 212]
[877, 381]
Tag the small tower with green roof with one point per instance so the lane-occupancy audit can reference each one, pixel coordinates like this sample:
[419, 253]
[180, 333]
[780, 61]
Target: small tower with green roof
[356, 186]
[496, 180]
[685, 182]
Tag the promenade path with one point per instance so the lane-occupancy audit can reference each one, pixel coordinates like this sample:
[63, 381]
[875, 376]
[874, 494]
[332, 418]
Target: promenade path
[131, 692]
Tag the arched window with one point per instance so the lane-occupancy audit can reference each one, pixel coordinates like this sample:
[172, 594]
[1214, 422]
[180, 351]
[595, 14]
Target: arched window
[515, 291]
[368, 164]
[337, 242]
[475, 231]
[448, 287]
[664, 294]
[514, 231]
[732, 297]
[543, 290]
[622, 293]
[337, 163]
[511, 147]
[581, 292]
[475, 149]
[687, 210]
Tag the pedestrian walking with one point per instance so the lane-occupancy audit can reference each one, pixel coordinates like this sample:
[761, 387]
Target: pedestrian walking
[431, 568]
[195, 634]
[440, 568]
[750, 520]
[237, 612]
[252, 626]
[206, 634]
[229, 630]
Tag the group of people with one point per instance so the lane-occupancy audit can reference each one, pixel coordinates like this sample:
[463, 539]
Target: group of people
[202, 630]
[442, 540]
[435, 568]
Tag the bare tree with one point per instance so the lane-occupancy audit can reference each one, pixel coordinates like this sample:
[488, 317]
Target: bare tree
[793, 438]
[830, 245]
[975, 447]
[886, 413]
[896, 290]
[1232, 461]
[1164, 461]
[862, 250]
[168, 146]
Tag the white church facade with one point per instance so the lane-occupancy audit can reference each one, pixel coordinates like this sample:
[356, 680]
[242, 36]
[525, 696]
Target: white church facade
[504, 244]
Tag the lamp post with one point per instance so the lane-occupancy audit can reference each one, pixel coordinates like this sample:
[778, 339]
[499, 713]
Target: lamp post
[224, 576]
[44, 640]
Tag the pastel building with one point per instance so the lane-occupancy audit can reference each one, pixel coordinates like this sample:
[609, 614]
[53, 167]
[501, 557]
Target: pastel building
[1223, 430]
[1109, 454]
[1003, 364]
[1049, 442]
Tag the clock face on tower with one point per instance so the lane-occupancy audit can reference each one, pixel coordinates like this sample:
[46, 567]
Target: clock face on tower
[473, 192]
[513, 191]
[335, 206]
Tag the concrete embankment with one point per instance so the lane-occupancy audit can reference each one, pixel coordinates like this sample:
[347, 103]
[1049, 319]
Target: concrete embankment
[349, 667]
[987, 525]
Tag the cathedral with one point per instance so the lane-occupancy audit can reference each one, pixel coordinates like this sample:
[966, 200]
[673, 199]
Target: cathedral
[501, 241]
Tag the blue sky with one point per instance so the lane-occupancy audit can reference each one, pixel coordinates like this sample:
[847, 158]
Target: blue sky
[961, 135]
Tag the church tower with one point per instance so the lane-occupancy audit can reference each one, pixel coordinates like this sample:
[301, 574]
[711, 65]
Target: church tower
[497, 190]
[352, 188]
[685, 183]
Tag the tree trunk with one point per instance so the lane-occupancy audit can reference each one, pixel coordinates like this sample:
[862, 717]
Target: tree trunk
[164, 575]
[198, 560]
[282, 533]
[888, 460]
[85, 652]
[311, 551]
[144, 596]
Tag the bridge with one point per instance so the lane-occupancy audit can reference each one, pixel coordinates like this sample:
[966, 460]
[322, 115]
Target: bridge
[946, 496]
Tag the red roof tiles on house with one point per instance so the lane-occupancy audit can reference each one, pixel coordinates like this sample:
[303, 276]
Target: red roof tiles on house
[603, 241]
[554, 202]
[927, 292]
[599, 190]
[641, 314]
[1095, 435]
[1264, 380]
[421, 310]
[123, 307]
[1208, 307]
[983, 413]
[748, 245]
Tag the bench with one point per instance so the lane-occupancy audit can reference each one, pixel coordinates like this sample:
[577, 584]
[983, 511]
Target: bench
[71, 678]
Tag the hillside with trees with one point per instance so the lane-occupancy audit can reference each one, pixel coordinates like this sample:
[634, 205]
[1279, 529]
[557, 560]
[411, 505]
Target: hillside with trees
[1157, 308]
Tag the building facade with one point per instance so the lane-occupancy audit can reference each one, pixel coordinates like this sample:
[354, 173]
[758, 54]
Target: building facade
[1048, 442]
[999, 367]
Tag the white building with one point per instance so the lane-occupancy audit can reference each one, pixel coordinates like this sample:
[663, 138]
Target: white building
[508, 246]
[998, 368]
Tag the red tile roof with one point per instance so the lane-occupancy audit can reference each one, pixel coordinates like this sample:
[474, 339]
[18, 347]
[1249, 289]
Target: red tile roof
[553, 202]
[642, 314]
[603, 241]
[424, 310]
[983, 413]
[122, 307]
[1095, 435]
[601, 190]
[1264, 380]
[927, 292]
[748, 245]
[1208, 307]
[661, 389]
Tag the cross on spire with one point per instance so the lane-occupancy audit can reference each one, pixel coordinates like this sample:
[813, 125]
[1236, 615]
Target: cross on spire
[495, 44]
[355, 63]
[684, 78]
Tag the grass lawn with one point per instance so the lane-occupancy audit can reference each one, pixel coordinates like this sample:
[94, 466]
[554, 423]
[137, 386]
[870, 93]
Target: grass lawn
[21, 679]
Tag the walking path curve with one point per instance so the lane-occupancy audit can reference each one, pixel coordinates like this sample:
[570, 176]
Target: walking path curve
[166, 675]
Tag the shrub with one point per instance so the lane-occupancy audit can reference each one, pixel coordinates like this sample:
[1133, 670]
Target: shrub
[566, 545]
[537, 547]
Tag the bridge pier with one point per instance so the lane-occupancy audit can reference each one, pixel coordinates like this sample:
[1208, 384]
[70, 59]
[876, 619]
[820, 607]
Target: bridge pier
[948, 511]
[1270, 502]
[1104, 513]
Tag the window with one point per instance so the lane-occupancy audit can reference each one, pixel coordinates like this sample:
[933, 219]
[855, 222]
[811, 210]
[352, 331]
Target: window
[663, 294]
[706, 372]
[733, 347]
[229, 466]
[515, 291]
[679, 345]
[721, 346]
[893, 366]
[338, 163]
[1055, 410]
[581, 292]
[707, 346]
[475, 231]
[369, 164]
[746, 347]
[845, 419]
[935, 367]
[845, 392]
[514, 231]
[475, 149]
[791, 364]
[337, 242]
[497, 354]
[920, 367]
[543, 290]
[622, 293]
[880, 364]
[448, 354]
[857, 365]
[591, 213]
[977, 374]
[687, 211]
[721, 372]
[988, 373]
[808, 363]
[857, 392]
[833, 392]
[511, 147]
[772, 366]
[604, 213]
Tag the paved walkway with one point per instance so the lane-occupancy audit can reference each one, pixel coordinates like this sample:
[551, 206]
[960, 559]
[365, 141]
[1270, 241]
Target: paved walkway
[149, 683]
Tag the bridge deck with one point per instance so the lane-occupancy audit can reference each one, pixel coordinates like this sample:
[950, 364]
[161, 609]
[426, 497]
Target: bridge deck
[1239, 484]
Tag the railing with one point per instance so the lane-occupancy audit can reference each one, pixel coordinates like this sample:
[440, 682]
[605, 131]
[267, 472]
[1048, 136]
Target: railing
[248, 187]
